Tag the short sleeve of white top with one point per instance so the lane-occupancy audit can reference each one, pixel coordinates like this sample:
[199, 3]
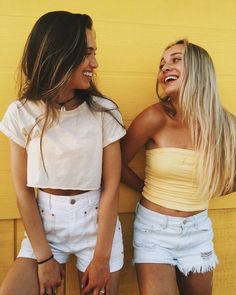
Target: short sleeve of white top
[72, 148]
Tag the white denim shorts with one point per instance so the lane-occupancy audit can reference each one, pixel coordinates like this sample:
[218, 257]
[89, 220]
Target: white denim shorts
[71, 224]
[186, 243]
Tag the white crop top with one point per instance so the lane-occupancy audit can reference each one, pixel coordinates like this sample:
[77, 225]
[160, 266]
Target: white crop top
[72, 148]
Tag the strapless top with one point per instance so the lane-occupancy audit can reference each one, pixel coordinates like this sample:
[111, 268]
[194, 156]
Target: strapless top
[171, 179]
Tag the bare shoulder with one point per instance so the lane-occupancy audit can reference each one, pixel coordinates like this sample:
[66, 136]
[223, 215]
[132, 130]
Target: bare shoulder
[147, 123]
[153, 116]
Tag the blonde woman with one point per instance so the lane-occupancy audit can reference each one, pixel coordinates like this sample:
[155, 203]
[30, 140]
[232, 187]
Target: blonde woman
[64, 138]
[190, 143]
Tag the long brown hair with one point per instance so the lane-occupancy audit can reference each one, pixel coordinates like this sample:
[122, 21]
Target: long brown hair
[56, 46]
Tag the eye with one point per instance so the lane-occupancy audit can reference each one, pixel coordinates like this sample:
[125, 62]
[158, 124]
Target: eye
[161, 66]
[88, 52]
[176, 59]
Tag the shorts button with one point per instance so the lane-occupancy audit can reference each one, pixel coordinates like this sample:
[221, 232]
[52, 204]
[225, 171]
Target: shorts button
[184, 221]
[72, 201]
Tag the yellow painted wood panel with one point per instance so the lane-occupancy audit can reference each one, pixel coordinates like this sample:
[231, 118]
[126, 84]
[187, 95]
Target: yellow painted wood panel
[6, 246]
[19, 235]
[72, 279]
[130, 37]
[209, 13]
[224, 224]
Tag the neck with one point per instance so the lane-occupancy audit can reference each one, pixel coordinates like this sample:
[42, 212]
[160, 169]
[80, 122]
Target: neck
[172, 108]
[62, 105]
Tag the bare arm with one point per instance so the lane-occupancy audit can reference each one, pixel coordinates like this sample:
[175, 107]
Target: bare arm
[98, 272]
[49, 272]
[138, 135]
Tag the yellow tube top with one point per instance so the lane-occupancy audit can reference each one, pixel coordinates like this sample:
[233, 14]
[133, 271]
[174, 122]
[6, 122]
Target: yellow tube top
[171, 179]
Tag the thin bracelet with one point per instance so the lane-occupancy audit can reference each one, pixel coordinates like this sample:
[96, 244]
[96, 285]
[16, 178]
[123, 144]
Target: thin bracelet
[43, 261]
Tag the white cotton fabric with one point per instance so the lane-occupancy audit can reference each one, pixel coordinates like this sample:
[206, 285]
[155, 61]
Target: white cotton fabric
[72, 148]
[71, 225]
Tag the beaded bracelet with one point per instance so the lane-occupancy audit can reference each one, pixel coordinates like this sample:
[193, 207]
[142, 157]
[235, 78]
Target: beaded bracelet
[43, 261]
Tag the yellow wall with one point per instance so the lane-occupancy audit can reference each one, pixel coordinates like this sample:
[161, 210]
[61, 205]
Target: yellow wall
[130, 37]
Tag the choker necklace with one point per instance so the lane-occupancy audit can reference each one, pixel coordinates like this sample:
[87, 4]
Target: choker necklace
[62, 104]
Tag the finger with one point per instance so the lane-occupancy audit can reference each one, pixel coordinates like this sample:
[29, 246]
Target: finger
[42, 290]
[102, 291]
[47, 291]
[107, 290]
[62, 272]
[84, 280]
[87, 290]
[96, 291]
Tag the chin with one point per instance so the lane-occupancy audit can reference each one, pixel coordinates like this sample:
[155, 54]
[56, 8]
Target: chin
[171, 92]
[84, 87]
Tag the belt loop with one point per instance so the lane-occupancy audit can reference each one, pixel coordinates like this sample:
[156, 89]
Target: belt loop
[164, 223]
[90, 197]
[137, 205]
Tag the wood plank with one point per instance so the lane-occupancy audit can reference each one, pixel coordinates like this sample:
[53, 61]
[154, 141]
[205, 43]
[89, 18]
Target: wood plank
[224, 224]
[72, 281]
[128, 280]
[6, 246]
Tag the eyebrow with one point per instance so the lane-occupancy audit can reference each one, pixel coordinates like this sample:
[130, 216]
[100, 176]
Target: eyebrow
[172, 54]
[91, 48]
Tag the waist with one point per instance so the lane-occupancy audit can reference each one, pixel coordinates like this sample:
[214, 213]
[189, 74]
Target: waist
[62, 192]
[166, 211]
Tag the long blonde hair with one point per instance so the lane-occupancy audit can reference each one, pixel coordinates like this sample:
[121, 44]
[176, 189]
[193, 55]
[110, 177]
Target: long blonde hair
[213, 129]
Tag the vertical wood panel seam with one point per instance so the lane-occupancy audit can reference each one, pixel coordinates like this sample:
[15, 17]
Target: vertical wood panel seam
[15, 237]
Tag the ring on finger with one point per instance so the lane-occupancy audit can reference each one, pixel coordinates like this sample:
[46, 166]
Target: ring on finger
[103, 291]
[54, 290]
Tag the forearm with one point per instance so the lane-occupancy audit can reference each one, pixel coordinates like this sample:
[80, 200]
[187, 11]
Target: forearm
[130, 178]
[33, 224]
[107, 219]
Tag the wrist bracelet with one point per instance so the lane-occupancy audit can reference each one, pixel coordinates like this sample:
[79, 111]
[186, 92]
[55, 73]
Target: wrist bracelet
[43, 261]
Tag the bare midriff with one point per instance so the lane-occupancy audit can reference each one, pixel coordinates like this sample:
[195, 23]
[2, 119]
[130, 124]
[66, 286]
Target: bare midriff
[62, 192]
[166, 211]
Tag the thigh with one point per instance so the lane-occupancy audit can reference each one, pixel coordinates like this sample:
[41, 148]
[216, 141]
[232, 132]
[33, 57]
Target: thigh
[22, 279]
[156, 279]
[195, 283]
[114, 282]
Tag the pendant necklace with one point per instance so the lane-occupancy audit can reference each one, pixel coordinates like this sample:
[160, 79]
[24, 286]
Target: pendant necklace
[62, 104]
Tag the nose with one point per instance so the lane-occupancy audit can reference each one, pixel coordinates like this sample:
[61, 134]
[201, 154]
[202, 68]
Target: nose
[166, 67]
[93, 62]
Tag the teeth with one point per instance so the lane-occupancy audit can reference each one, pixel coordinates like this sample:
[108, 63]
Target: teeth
[170, 78]
[88, 74]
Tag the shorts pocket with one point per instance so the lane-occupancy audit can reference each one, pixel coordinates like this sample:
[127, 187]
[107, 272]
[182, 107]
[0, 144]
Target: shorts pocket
[148, 235]
[48, 218]
[142, 226]
[93, 211]
[117, 244]
[118, 231]
[205, 225]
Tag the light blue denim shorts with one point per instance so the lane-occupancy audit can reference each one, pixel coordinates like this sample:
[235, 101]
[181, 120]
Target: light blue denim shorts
[71, 224]
[186, 243]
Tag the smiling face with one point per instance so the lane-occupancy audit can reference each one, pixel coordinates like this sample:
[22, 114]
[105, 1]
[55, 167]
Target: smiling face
[171, 70]
[82, 75]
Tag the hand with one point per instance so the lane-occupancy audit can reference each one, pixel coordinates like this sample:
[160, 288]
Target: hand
[96, 278]
[50, 276]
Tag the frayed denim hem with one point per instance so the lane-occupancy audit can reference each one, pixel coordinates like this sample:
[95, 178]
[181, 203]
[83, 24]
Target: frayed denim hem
[201, 268]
